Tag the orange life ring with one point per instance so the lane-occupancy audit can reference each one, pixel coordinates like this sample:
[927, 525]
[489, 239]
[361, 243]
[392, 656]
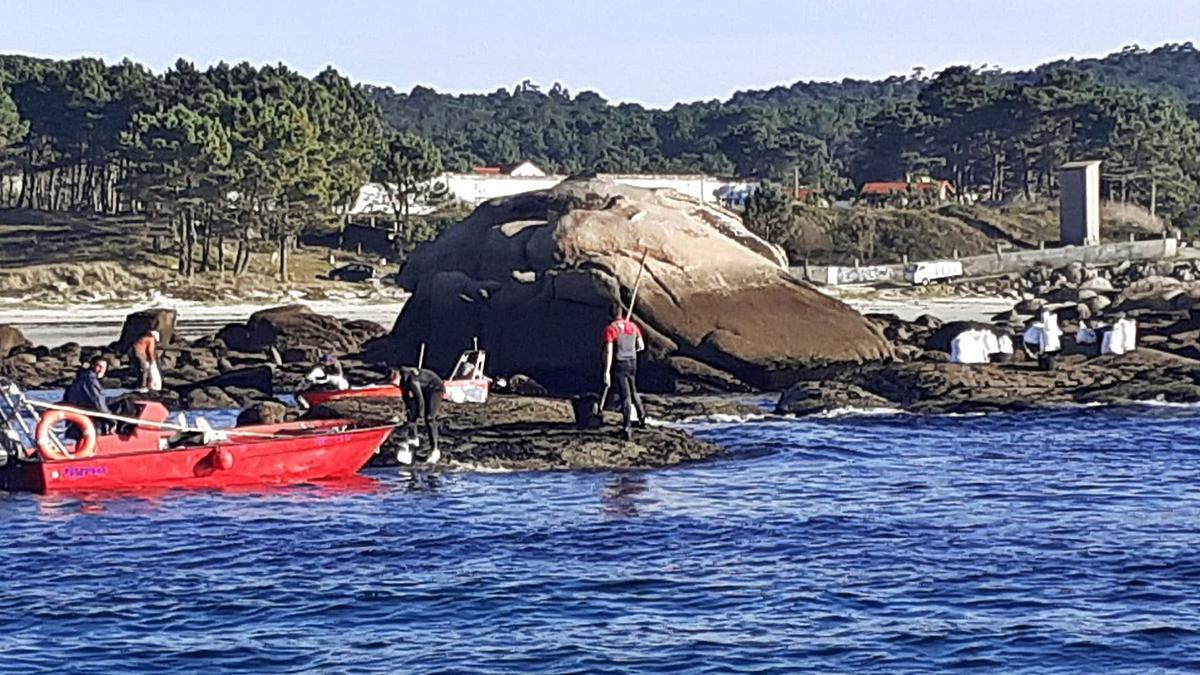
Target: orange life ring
[85, 447]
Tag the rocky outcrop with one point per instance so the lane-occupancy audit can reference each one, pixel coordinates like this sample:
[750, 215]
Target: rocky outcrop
[932, 387]
[528, 433]
[296, 327]
[264, 412]
[139, 323]
[10, 339]
[536, 277]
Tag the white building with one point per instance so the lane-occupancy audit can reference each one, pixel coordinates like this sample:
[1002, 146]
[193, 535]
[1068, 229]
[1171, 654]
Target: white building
[491, 182]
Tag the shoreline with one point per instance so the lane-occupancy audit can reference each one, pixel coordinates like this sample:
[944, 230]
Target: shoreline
[99, 324]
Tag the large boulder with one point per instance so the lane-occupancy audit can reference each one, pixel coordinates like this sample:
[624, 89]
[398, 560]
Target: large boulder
[296, 327]
[536, 277]
[139, 323]
[11, 338]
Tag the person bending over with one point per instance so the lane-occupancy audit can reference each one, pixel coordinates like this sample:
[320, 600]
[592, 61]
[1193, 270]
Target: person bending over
[422, 391]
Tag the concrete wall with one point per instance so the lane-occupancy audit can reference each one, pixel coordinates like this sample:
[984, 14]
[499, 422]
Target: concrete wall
[1079, 202]
[1002, 263]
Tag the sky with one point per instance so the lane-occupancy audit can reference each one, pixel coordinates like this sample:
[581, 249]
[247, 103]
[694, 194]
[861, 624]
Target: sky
[654, 52]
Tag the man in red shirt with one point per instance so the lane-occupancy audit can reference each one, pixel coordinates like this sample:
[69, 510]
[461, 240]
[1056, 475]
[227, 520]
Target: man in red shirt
[622, 342]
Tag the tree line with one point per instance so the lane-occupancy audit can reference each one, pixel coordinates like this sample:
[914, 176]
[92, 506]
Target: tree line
[237, 153]
[999, 134]
[228, 153]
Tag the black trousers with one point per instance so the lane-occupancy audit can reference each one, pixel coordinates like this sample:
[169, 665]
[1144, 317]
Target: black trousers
[433, 401]
[625, 373]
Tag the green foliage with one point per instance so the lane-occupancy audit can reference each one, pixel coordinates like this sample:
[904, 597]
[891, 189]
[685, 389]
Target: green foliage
[229, 150]
[238, 150]
[404, 166]
[769, 213]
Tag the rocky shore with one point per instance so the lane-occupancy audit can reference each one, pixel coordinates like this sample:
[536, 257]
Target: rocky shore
[1164, 299]
[528, 433]
[250, 366]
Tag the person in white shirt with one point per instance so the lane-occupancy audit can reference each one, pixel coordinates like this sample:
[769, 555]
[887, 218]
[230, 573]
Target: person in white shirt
[328, 374]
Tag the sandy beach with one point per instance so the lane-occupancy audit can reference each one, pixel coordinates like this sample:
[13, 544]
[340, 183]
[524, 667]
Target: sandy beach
[92, 325]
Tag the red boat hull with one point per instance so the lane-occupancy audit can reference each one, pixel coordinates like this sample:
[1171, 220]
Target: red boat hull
[315, 398]
[313, 454]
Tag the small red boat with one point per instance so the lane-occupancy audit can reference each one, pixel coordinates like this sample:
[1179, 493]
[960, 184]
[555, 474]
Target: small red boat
[315, 397]
[144, 456]
[466, 384]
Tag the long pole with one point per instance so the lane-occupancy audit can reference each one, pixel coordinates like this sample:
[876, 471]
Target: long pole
[637, 284]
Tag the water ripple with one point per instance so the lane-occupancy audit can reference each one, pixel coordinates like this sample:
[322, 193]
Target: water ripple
[1058, 541]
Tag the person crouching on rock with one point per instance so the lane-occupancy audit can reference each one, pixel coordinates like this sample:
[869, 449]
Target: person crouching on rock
[622, 342]
[422, 391]
[327, 375]
[144, 355]
[86, 393]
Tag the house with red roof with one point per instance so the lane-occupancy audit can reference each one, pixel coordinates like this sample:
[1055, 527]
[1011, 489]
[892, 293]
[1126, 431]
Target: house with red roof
[526, 169]
[942, 190]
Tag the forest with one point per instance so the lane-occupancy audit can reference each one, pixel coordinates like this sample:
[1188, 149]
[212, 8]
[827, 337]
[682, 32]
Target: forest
[245, 153]
[234, 153]
[999, 134]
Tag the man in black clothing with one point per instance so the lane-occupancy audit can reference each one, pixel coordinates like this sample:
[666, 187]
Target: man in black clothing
[86, 393]
[422, 390]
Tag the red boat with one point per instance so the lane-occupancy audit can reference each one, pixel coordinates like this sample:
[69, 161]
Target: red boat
[466, 384]
[150, 455]
[315, 397]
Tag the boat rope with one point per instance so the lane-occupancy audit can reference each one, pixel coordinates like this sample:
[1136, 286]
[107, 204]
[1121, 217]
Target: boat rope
[178, 427]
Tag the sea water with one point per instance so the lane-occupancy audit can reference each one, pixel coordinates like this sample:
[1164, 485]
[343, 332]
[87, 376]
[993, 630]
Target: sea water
[1039, 542]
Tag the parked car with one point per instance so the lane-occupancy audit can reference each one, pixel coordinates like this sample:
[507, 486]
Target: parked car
[354, 272]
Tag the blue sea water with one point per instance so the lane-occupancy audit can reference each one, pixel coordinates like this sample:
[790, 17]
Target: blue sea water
[1035, 542]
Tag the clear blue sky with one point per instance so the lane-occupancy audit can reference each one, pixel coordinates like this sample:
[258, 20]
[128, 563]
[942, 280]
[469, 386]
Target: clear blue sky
[651, 51]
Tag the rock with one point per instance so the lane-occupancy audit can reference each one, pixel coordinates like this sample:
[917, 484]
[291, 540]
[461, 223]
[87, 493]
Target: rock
[263, 412]
[1097, 284]
[70, 353]
[1083, 312]
[27, 358]
[926, 387]
[807, 398]
[260, 378]
[1030, 307]
[1073, 274]
[297, 326]
[529, 433]
[712, 291]
[928, 321]
[523, 385]
[1098, 304]
[10, 339]
[210, 398]
[689, 376]
[139, 323]
[308, 355]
